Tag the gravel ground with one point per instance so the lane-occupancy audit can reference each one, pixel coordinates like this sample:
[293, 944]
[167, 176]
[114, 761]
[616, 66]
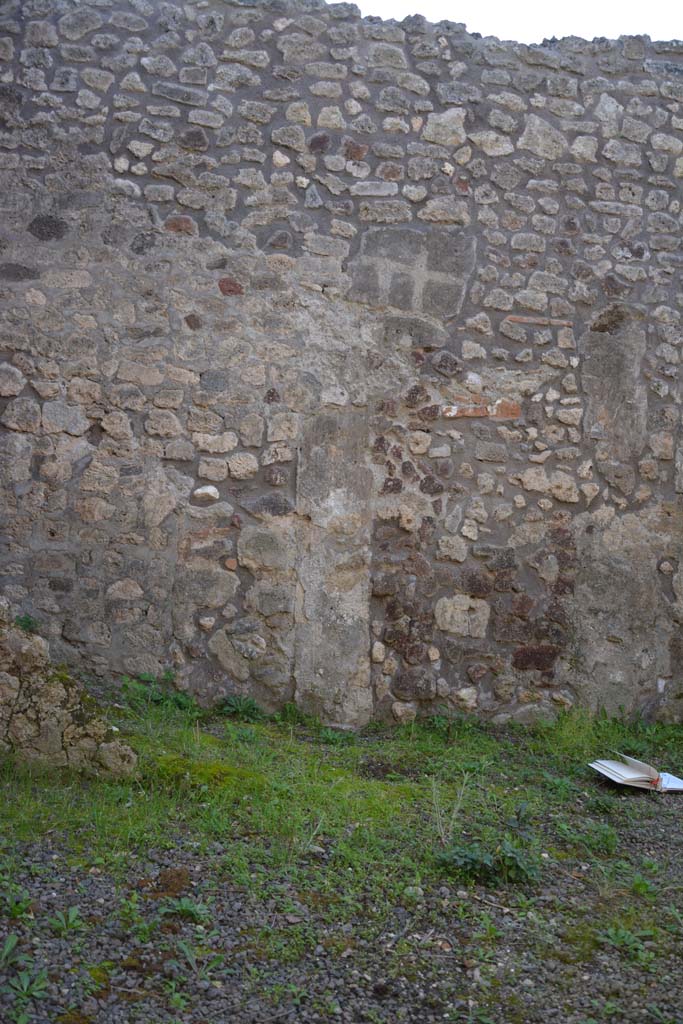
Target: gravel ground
[273, 952]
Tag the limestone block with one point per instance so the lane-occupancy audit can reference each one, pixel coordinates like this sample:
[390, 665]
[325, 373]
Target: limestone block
[462, 615]
[446, 129]
[404, 712]
[12, 380]
[215, 444]
[260, 548]
[542, 138]
[22, 414]
[243, 466]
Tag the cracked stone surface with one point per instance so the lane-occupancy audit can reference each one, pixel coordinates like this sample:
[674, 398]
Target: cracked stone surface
[45, 715]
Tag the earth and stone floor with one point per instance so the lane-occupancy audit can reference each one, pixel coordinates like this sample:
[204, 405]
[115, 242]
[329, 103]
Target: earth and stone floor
[262, 870]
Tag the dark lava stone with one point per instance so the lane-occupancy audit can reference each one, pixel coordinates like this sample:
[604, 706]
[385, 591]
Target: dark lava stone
[194, 138]
[319, 143]
[143, 242]
[17, 272]
[47, 228]
[280, 240]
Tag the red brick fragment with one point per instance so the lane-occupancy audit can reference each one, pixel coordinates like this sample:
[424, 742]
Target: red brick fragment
[354, 150]
[230, 286]
[181, 225]
[466, 407]
[471, 406]
[505, 409]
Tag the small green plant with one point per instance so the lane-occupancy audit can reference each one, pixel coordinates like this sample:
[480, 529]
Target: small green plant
[290, 714]
[177, 1000]
[448, 724]
[642, 886]
[660, 1017]
[97, 976]
[201, 965]
[132, 918]
[603, 804]
[520, 819]
[10, 955]
[488, 931]
[147, 689]
[560, 786]
[675, 926]
[19, 907]
[608, 1007]
[514, 863]
[27, 623]
[596, 836]
[167, 678]
[335, 737]
[129, 910]
[243, 708]
[470, 860]
[244, 734]
[445, 820]
[631, 943]
[25, 987]
[508, 862]
[438, 723]
[63, 923]
[183, 906]
[476, 1016]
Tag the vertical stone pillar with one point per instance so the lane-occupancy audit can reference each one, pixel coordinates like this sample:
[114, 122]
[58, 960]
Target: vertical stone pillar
[332, 666]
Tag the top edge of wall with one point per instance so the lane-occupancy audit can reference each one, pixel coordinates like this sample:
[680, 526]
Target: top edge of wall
[415, 24]
[419, 25]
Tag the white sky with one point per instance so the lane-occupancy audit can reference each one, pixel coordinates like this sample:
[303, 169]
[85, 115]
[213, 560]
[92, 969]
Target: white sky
[530, 21]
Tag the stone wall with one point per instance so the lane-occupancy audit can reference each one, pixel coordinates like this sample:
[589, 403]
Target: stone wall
[44, 714]
[341, 357]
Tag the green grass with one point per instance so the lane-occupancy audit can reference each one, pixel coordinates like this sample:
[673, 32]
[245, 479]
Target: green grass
[27, 623]
[280, 784]
[356, 824]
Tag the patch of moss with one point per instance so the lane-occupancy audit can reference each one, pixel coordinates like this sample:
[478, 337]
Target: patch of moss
[61, 674]
[132, 963]
[101, 973]
[579, 942]
[214, 774]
